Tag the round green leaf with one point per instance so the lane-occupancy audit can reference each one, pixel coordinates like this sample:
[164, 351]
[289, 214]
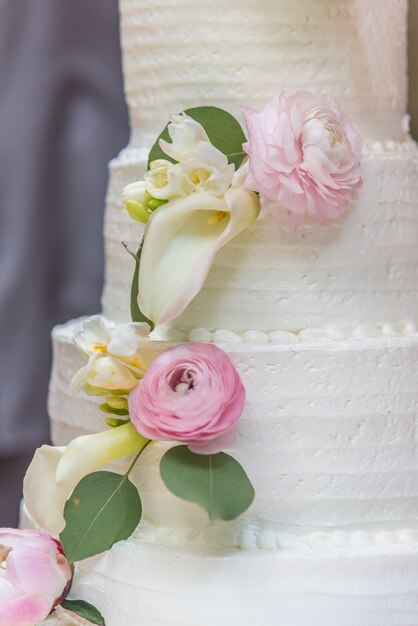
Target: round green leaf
[104, 508]
[84, 610]
[223, 130]
[217, 482]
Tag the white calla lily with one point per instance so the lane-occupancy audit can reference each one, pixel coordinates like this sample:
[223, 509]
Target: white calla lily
[180, 242]
[56, 471]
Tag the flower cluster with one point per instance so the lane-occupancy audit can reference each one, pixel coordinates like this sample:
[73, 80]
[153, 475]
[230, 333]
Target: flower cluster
[302, 152]
[189, 394]
[198, 193]
[198, 167]
[192, 207]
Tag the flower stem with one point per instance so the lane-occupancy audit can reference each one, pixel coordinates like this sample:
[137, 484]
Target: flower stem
[132, 465]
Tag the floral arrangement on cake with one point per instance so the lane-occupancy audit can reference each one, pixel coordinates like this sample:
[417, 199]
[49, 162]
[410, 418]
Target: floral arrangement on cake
[201, 189]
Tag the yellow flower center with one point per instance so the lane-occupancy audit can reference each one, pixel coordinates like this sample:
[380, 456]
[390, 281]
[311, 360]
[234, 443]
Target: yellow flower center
[100, 348]
[4, 553]
[217, 217]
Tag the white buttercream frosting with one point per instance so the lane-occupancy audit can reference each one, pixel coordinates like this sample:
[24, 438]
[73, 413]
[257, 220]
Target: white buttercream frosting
[191, 53]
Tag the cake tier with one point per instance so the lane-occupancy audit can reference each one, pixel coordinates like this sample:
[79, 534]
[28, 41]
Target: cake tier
[328, 438]
[142, 583]
[185, 53]
[359, 270]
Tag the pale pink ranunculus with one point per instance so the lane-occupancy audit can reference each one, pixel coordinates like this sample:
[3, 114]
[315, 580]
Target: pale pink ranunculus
[192, 394]
[304, 153]
[35, 576]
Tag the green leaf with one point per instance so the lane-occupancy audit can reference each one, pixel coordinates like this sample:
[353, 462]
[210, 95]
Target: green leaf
[136, 313]
[85, 610]
[217, 482]
[223, 130]
[104, 508]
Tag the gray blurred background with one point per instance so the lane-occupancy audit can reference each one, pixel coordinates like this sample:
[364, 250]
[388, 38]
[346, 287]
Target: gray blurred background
[62, 118]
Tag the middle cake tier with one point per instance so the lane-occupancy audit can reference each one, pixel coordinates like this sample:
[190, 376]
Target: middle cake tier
[328, 438]
[359, 270]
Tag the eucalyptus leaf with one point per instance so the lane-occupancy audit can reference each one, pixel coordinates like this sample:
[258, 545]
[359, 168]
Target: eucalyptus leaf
[136, 313]
[217, 482]
[104, 508]
[84, 610]
[223, 130]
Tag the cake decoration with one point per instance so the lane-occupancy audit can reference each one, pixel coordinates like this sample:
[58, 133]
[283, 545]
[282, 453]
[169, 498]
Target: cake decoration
[304, 153]
[114, 363]
[192, 205]
[190, 394]
[197, 194]
[35, 576]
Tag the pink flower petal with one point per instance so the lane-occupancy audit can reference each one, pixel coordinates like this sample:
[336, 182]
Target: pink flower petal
[304, 153]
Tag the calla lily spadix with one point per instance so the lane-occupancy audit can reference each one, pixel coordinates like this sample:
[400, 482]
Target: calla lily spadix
[56, 471]
[180, 242]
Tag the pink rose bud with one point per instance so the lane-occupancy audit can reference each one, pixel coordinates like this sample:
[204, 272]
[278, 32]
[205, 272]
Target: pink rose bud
[304, 153]
[191, 394]
[35, 576]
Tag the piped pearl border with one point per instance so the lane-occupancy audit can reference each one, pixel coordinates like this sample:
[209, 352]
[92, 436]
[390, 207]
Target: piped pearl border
[307, 335]
[249, 537]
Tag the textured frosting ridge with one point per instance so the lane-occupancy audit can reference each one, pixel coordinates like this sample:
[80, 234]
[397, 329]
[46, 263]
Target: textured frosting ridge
[244, 52]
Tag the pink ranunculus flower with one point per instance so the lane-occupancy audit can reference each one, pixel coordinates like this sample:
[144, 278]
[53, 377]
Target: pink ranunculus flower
[304, 153]
[35, 576]
[191, 394]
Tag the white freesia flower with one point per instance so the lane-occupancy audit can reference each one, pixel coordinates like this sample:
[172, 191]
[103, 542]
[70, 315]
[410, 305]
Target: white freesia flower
[104, 372]
[135, 199]
[56, 471]
[180, 242]
[168, 181]
[185, 134]
[136, 192]
[114, 363]
[164, 179]
[123, 341]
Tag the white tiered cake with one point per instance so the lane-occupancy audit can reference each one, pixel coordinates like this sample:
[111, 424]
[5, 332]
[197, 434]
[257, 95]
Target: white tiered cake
[318, 320]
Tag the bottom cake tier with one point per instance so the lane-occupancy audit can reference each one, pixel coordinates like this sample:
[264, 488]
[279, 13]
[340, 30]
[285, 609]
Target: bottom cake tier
[329, 440]
[142, 583]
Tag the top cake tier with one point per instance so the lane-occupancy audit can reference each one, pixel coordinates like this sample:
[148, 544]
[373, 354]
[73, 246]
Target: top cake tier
[181, 53]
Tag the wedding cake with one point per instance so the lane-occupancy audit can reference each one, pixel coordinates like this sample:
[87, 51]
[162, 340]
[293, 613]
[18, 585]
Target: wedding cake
[318, 318]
